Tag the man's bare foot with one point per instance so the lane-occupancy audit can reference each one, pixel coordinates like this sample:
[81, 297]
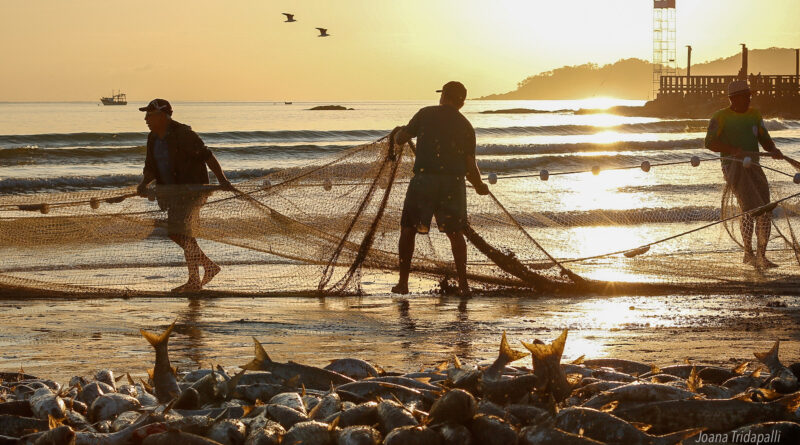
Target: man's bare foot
[191, 285]
[749, 258]
[209, 272]
[464, 291]
[764, 263]
[401, 289]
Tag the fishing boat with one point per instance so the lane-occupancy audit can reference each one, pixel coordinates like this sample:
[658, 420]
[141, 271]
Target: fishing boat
[117, 98]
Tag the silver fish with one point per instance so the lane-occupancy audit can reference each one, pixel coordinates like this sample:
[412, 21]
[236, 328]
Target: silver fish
[639, 392]
[782, 379]
[354, 368]
[454, 434]
[264, 432]
[44, 403]
[311, 377]
[358, 435]
[291, 400]
[538, 435]
[413, 435]
[456, 406]
[108, 406]
[393, 415]
[166, 385]
[228, 432]
[309, 433]
[625, 366]
[491, 430]
[546, 365]
[606, 427]
[363, 414]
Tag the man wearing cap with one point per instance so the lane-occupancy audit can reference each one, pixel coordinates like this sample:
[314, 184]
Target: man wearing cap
[176, 155]
[735, 133]
[445, 156]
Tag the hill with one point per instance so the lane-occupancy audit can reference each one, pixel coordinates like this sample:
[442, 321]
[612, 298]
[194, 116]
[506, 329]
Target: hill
[631, 78]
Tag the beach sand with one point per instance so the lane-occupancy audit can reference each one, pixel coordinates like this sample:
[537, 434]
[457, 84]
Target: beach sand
[59, 338]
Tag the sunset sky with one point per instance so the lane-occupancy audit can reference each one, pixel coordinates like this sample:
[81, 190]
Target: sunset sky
[242, 50]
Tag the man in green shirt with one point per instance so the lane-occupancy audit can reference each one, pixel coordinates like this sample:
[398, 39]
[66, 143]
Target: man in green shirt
[735, 133]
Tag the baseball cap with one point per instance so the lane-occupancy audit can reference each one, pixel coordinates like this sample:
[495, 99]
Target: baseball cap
[454, 89]
[738, 86]
[158, 105]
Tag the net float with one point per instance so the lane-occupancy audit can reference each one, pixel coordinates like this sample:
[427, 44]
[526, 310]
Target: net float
[492, 178]
[796, 178]
[544, 175]
[94, 203]
[44, 208]
[596, 170]
[327, 185]
[747, 162]
[645, 166]
[267, 183]
[695, 161]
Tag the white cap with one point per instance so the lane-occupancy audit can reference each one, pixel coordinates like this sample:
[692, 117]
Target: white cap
[738, 86]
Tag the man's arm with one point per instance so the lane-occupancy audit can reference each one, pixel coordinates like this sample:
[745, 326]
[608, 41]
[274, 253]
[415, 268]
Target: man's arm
[401, 136]
[766, 141]
[730, 150]
[213, 165]
[474, 176]
[147, 179]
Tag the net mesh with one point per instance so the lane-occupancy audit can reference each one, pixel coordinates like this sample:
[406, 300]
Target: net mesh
[330, 226]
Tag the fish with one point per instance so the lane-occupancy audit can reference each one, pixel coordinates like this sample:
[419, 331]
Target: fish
[413, 435]
[263, 431]
[17, 408]
[109, 406]
[227, 432]
[87, 393]
[639, 392]
[393, 415]
[371, 390]
[526, 414]
[57, 436]
[504, 357]
[354, 368]
[716, 415]
[405, 381]
[610, 375]
[546, 367]
[456, 406]
[542, 435]
[509, 389]
[454, 434]
[174, 437]
[18, 426]
[164, 380]
[625, 366]
[45, 404]
[286, 416]
[605, 427]
[310, 376]
[329, 405]
[781, 379]
[363, 414]
[290, 400]
[309, 433]
[124, 420]
[491, 430]
[106, 376]
[358, 435]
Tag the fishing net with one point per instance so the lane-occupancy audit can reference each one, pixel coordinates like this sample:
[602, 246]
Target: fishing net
[332, 226]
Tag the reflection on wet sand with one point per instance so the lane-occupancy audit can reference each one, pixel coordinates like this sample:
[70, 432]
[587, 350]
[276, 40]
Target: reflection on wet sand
[396, 333]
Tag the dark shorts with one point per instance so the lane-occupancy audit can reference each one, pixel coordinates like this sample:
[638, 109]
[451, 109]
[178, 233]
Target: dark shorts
[749, 185]
[183, 209]
[435, 195]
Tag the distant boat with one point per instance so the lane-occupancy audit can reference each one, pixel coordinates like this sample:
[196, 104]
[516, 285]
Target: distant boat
[287, 103]
[115, 99]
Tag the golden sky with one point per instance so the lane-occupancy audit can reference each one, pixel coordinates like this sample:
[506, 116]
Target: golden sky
[378, 49]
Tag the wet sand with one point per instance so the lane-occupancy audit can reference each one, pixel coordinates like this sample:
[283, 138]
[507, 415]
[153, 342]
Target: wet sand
[60, 338]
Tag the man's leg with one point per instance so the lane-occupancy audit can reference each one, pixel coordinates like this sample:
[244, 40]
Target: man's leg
[746, 224]
[190, 248]
[406, 252]
[459, 246]
[763, 229]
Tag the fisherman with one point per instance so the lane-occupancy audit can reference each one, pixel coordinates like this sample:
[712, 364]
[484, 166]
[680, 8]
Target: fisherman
[445, 155]
[177, 155]
[735, 133]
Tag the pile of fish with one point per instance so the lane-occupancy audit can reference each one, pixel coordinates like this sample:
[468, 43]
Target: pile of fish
[352, 402]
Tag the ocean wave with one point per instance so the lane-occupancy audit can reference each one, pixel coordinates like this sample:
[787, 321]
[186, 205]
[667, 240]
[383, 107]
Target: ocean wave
[602, 217]
[133, 139]
[587, 147]
[571, 163]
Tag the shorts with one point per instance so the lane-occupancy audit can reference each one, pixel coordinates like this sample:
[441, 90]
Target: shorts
[749, 185]
[183, 208]
[444, 197]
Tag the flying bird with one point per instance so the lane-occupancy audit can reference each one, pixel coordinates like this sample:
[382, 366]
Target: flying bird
[289, 17]
[323, 32]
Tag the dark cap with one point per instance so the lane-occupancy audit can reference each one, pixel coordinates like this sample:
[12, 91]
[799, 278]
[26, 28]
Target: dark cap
[158, 105]
[454, 89]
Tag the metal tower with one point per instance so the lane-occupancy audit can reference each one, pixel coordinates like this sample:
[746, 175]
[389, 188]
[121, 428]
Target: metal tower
[664, 42]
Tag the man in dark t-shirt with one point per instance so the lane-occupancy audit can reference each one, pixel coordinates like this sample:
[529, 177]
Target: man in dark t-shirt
[445, 157]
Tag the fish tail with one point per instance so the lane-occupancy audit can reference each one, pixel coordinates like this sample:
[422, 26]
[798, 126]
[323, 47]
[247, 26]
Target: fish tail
[770, 357]
[790, 402]
[507, 354]
[158, 340]
[261, 357]
[543, 351]
[676, 437]
[231, 384]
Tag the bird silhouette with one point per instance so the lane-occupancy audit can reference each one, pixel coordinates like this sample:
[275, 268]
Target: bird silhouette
[323, 32]
[289, 17]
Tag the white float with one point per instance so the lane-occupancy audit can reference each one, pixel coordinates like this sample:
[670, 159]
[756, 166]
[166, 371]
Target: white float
[747, 162]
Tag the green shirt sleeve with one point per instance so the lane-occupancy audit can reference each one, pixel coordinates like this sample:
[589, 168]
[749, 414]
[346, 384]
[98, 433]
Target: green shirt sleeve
[763, 135]
[714, 130]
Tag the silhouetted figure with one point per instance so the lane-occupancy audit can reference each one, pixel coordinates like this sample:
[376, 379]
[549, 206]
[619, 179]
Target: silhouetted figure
[323, 32]
[289, 17]
[735, 132]
[445, 156]
[176, 155]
